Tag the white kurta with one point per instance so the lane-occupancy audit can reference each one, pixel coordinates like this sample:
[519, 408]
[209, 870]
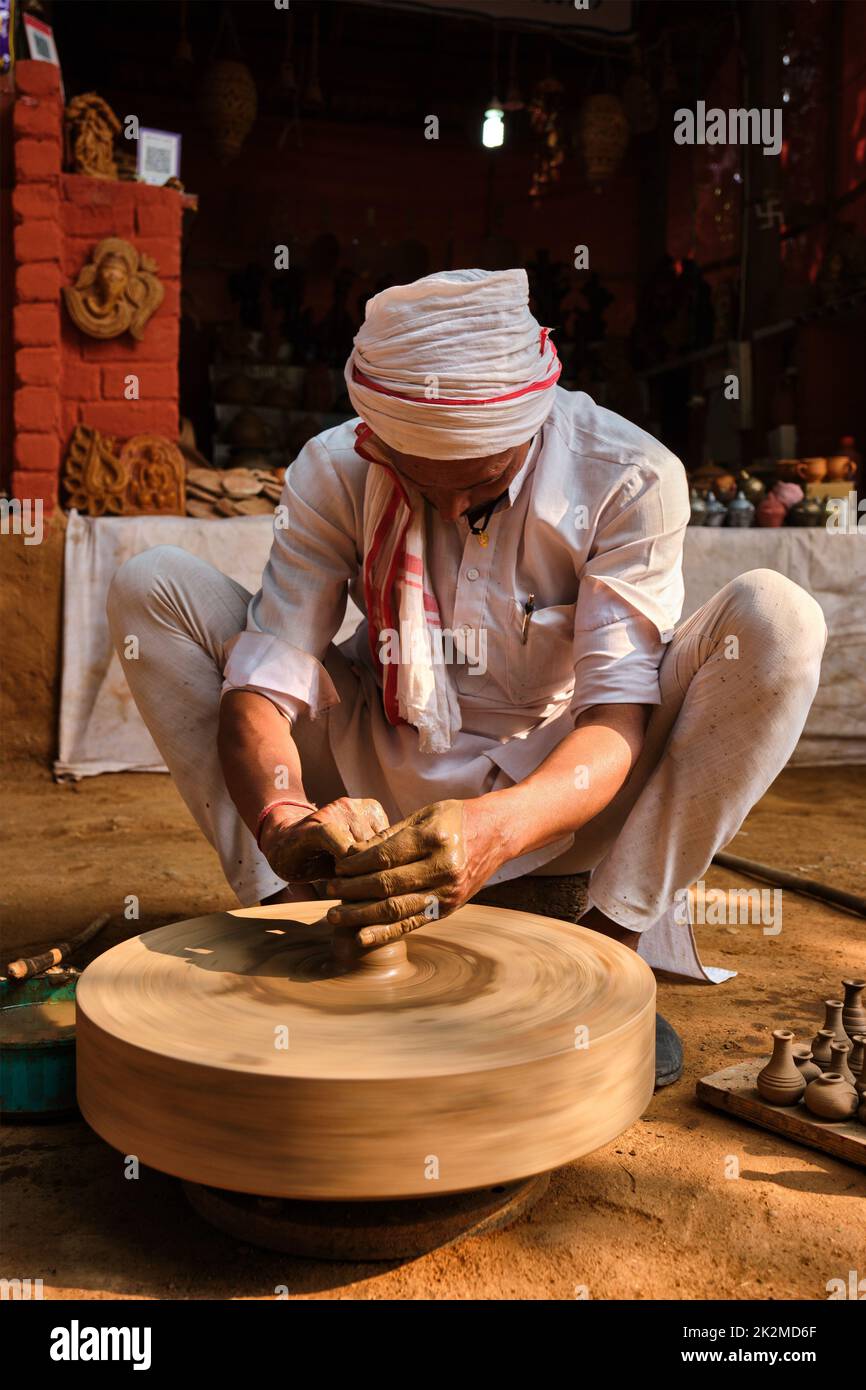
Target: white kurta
[592, 527]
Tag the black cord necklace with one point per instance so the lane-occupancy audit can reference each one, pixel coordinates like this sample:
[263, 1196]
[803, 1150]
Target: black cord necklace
[478, 519]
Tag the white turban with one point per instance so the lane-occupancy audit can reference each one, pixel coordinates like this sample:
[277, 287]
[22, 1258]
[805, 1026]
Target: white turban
[453, 366]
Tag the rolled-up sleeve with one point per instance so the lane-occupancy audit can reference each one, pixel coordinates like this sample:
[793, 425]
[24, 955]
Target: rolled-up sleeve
[300, 606]
[631, 589]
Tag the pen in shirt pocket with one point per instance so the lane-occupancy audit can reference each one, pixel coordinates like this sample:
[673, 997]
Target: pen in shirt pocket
[528, 610]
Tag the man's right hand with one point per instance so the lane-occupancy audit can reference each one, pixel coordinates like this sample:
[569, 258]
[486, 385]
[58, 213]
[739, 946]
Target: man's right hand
[303, 847]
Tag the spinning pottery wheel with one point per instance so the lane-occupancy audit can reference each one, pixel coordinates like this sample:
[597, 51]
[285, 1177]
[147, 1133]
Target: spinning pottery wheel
[255, 1052]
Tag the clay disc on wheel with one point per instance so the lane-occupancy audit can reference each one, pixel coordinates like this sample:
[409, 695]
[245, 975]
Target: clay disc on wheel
[235, 1051]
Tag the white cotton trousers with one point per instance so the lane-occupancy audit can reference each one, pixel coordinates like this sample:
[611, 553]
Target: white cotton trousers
[736, 681]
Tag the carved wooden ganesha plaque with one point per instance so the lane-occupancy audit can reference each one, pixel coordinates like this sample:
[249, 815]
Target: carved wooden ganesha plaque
[116, 292]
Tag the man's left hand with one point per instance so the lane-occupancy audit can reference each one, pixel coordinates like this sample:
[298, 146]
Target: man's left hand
[417, 871]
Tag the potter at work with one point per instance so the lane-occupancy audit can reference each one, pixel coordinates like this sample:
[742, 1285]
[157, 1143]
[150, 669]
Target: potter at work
[520, 700]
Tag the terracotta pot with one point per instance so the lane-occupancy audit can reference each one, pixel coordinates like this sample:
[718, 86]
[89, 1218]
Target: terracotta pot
[770, 511]
[840, 468]
[853, 1012]
[812, 470]
[821, 1048]
[808, 1069]
[788, 470]
[780, 1082]
[833, 1019]
[839, 1060]
[831, 1098]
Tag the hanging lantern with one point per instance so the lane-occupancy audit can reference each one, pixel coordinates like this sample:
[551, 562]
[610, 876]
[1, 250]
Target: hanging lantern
[639, 99]
[604, 132]
[228, 102]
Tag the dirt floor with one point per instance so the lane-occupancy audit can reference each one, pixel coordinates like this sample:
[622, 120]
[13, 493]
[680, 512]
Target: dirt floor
[652, 1215]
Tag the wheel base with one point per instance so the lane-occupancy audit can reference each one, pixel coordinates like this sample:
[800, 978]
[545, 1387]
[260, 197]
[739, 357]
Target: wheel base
[389, 1230]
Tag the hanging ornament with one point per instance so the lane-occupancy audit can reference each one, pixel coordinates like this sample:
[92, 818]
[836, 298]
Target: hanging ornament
[604, 132]
[545, 118]
[639, 99]
[228, 103]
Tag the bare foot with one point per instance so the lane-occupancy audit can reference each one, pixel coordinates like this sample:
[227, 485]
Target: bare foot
[596, 921]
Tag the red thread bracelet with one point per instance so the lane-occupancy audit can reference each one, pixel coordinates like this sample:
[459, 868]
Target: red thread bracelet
[272, 805]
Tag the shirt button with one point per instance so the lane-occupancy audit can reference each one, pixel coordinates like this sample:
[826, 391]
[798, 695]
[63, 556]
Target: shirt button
[472, 574]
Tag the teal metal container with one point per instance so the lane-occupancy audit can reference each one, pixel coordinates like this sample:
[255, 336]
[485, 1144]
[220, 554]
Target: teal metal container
[37, 1046]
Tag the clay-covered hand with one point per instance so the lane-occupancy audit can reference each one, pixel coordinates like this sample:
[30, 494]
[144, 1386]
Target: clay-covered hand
[419, 870]
[302, 849]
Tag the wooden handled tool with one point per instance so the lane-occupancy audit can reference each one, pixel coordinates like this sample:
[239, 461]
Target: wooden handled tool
[28, 966]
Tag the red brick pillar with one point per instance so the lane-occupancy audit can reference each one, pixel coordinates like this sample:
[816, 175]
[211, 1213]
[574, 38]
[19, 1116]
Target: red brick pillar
[38, 128]
[63, 376]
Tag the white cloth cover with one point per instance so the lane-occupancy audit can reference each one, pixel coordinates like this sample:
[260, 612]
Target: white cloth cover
[453, 366]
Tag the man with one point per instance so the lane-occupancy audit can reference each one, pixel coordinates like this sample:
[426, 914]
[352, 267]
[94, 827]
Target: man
[565, 724]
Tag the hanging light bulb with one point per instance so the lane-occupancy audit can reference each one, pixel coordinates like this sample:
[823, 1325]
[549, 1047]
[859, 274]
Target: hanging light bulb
[493, 129]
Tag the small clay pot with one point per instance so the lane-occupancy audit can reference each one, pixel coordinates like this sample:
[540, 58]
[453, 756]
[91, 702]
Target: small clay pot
[839, 1060]
[741, 513]
[770, 511]
[833, 1019]
[831, 1098]
[840, 468]
[809, 512]
[857, 1055]
[787, 470]
[753, 488]
[780, 1082]
[853, 1012]
[821, 1048]
[812, 470]
[808, 1069]
[716, 513]
[697, 509]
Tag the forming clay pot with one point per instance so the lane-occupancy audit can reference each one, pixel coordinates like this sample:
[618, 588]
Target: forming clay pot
[770, 511]
[833, 1019]
[839, 1060]
[853, 1012]
[780, 1082]
[831, 1098]
[808, 1069]
[821, 1048]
